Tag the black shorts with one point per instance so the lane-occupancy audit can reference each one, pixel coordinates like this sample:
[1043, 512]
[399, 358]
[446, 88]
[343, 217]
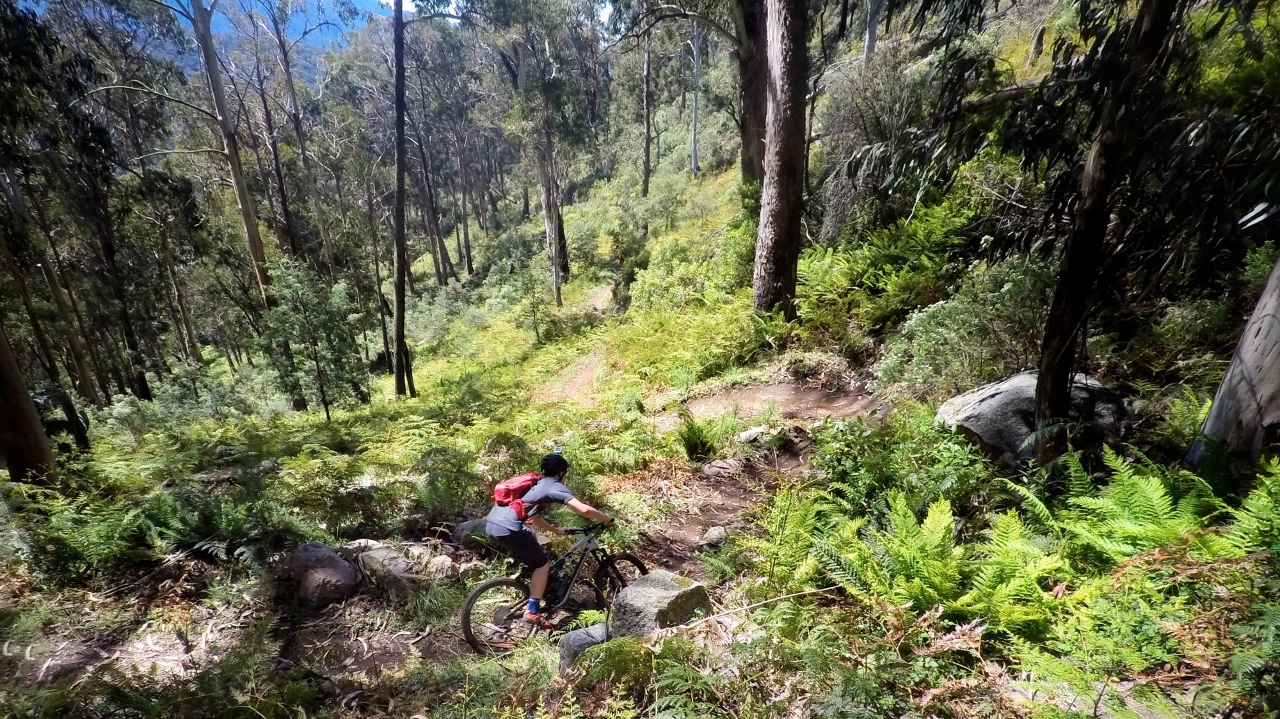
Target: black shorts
[523, 547]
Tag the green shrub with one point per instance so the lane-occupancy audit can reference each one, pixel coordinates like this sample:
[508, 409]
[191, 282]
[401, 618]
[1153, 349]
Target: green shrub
[624, 662]
[1144, 507]
[989, 330]
[866, 287]
[863, 459]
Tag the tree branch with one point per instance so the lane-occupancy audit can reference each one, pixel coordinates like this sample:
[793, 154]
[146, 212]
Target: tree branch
[196, 151]
[661, 13]
[1001, 96]
[149, 91]
[173, 8]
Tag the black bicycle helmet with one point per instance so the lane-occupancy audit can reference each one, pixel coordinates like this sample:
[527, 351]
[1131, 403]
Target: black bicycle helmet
[553, 465]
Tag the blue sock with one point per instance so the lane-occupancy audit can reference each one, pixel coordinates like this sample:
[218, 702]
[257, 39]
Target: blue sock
[533, 605]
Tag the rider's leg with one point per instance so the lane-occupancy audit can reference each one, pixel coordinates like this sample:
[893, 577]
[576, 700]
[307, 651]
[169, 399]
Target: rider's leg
[538, 583]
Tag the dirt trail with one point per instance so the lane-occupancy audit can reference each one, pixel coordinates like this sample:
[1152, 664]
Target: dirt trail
[787, 401]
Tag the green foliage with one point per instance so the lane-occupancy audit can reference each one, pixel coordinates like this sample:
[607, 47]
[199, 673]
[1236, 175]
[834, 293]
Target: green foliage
[1144, 507]
[625, 663]
[989, 330]
[866, 287]
[1257, 521]
[783, 557]
[1255, 666]
[322, 360]
[1258, 264]
[1117, 628]
[1185, 344]
[866, 457]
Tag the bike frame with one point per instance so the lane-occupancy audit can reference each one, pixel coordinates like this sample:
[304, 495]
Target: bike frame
[583, 548]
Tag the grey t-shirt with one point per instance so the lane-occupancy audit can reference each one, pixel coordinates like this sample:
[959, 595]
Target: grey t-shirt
[503, 520]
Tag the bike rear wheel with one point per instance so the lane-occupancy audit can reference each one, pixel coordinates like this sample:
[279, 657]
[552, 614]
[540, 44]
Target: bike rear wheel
[493, 616]
[615, 572]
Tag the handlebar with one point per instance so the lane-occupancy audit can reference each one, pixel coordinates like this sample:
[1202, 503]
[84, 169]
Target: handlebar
[589, 529]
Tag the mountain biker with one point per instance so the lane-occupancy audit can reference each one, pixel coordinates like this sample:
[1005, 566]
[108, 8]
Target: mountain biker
[505, 528]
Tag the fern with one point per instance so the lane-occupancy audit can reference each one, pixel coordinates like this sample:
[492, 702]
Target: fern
[1144, 507]
[694, 436]
[1257, 521]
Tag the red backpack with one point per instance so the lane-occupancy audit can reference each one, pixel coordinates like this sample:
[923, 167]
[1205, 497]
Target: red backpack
[508, 492]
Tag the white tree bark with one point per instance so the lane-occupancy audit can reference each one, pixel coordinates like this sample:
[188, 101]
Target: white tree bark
[1248, 400]
[201, 23]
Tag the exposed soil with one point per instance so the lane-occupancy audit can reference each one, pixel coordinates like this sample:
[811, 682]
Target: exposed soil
[574, 382]
[789, 401]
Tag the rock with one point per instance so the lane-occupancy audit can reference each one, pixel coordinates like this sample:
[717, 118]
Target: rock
[656, 600]
[319, 576]
[750, 435]
[470, 535]
[721, 468]
[714, 537]
[358, 546]
[266, 467]
[224, 453]
[388, 567]
[574, 643]
[470, 568]
[1001, 416]
[442, 567]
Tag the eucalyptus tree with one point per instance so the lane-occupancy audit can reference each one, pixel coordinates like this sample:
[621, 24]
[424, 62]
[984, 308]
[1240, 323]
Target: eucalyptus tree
[779, 239]
[741, 23]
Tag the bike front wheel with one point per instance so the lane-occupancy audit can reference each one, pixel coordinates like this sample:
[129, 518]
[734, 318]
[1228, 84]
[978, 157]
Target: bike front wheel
[615, 572]
[493, 616]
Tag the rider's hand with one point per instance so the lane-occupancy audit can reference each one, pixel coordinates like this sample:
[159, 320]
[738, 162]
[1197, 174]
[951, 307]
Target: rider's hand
[608, 521]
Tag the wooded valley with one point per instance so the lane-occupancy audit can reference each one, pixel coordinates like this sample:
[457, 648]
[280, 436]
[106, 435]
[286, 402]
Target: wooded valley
[934, 342]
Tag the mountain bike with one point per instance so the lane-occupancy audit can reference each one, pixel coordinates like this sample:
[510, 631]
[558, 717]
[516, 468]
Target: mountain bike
[493, 615]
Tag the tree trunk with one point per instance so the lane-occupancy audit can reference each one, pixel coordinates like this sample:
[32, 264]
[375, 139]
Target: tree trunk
[753, 87]
[646, 107]
[782, 201]
[1247, 402]
[201, 25]
[466, 225]
[295, 119]
[400, 263]
[551, 213]
[875, 8]
[107, 239]
[84, 377]
[377, 270]
[47, 358]
[184, 330]
[1082, 253]
[431, 210]
[277, 168]
[693, 126]
[101, 372]
[432, 246]
[23, 444]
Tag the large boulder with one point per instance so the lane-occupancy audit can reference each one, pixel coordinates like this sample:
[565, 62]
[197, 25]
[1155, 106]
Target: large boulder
[574, 643]
[318, 576]
[388, 567]
[656, 600]
[1001, 416]
[470, 535]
